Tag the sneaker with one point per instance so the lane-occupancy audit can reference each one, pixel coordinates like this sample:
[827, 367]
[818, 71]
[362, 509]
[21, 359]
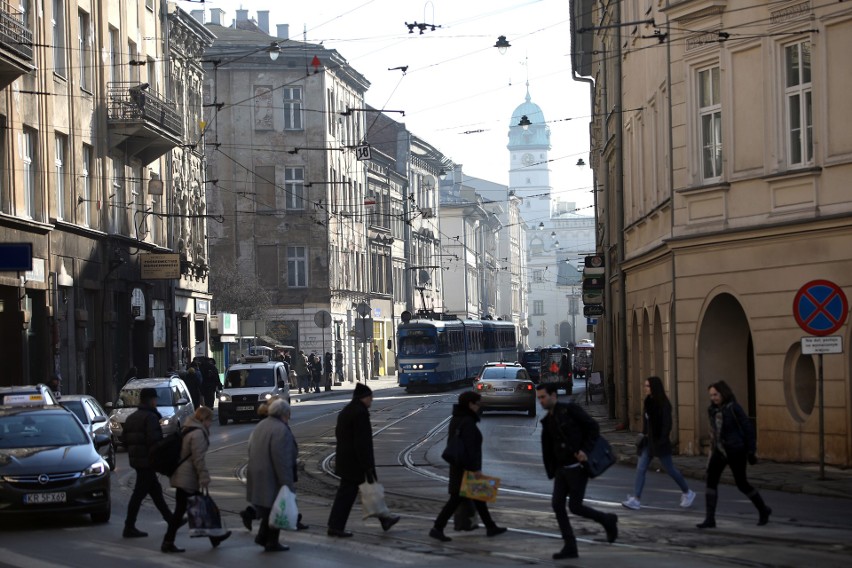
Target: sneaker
[633, 503]
[687, 498]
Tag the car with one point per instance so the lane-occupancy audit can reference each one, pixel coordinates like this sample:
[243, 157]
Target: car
[49, 463]
[94, 419]
[40, 393]
[532, 363]
[250, 383]
[506, 387]
[494, 364]
[173, 404]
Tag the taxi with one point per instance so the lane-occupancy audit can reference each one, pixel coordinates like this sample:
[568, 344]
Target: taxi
[48, 462]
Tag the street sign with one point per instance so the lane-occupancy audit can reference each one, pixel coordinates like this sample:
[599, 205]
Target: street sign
[594, 261]
[593, 310]
[322, 319]
[16, 257]
[820, 307]
[593, 284]
[820, 345]
[362, 152]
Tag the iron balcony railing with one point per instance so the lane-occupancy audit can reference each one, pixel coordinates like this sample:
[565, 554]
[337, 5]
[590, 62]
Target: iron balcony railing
[129, 102]
[14, 35]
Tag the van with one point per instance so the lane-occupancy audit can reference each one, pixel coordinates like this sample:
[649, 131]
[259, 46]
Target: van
[250, 383]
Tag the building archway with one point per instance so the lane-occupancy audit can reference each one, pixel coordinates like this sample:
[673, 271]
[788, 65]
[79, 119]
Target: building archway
[566, 334]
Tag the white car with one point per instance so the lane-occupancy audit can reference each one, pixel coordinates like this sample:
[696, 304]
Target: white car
[173, 404]
[249, 384]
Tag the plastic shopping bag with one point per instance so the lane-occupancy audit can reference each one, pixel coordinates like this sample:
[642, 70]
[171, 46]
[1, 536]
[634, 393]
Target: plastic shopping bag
[373, 500]
[204, 517]
[285, 512]
[482, 489]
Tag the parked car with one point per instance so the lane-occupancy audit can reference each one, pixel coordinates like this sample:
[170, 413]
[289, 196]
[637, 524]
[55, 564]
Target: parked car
[94, 419]
[506, 388]
[249, 384]
[173, 404]
[40, 394]
[49, 463]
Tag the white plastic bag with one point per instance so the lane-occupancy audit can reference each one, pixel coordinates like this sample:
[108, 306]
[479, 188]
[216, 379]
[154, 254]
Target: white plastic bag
[285, 512]
[373, 500]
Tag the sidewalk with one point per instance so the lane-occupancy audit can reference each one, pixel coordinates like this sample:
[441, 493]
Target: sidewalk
[789, 477]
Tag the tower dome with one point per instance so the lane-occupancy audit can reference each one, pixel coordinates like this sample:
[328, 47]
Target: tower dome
[530, 109]
[537, 135]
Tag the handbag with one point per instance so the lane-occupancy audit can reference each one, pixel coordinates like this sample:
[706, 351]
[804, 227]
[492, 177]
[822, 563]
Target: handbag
[600, 458]
[482, 489]
[285, 512]
[204, 516]
[373, 499]
[454, 452]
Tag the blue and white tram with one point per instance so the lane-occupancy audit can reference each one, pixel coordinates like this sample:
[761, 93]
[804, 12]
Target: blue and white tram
[434, 353]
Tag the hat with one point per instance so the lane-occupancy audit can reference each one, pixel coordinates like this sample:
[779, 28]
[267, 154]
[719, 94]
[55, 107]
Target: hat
[147, 394]
[362, 391]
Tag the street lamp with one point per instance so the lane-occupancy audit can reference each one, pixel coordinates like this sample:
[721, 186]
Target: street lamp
[502, 45]
[274, 50]
[524, 122]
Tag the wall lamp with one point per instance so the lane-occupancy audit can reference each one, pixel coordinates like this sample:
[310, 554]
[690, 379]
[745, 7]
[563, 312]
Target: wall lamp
[274, 50]
[524, 122]
[541, 226]
[502, 44]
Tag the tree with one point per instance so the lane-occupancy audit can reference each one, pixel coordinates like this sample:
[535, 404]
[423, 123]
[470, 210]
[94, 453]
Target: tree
[236, 291]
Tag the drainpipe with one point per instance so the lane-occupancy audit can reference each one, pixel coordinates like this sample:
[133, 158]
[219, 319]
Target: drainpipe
[619, 207]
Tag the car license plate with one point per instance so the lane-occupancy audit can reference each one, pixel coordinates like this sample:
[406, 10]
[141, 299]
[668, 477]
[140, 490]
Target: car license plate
[245, 408]
[34, 498]
[505, 389]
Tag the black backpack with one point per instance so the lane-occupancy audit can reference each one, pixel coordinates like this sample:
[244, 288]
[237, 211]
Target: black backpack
[164, 456]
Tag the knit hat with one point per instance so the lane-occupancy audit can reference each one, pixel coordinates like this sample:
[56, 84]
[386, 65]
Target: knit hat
[362, 391]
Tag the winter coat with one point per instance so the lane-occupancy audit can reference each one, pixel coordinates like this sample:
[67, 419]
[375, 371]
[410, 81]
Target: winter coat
[566, 429]
[354, 460]
[192, 473]
[301, 366]
[193, 385]
[657, 426]
[141, 431]
[272, 461]
[210, 378]
[463, 425]
[736, 433]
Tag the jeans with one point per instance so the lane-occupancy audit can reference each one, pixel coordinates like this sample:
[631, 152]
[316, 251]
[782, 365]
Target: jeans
[146, 484]
[570, 483]
[668, 465]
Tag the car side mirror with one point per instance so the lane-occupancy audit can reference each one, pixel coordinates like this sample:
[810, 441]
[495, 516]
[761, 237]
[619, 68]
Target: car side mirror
[99, 419]
[282, 383]
[182, 401]
[108, 405]
[102, 440]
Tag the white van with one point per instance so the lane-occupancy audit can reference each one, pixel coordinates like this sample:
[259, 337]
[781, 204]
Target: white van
[250, 383]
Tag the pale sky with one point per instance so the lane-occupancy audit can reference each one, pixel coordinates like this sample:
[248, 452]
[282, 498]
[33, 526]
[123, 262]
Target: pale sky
[459, 92]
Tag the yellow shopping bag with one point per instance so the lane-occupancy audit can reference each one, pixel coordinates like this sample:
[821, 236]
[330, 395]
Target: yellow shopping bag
[482, 489]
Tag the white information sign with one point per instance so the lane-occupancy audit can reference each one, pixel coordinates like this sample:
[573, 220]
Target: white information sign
[817, 345]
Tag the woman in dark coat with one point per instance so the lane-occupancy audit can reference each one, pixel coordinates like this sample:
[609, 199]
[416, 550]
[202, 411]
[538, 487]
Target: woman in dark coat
[732, 443]
[463, 425]
[656, 428]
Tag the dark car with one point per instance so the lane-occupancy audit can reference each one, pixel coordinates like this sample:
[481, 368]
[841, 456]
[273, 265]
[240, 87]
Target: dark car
[49, 464]
[94, 419]
[532, 363]
[506, 388]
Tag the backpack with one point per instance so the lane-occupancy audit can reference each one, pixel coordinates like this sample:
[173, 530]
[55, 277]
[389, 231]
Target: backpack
[164, 456]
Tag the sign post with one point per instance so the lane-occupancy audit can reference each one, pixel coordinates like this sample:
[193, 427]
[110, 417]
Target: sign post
[820, 308]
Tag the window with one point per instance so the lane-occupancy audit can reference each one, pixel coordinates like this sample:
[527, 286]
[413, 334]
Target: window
[133, 61]
[137, 204]
[799, 111]
[5, 197]
[538, 276]
[84, 41]
[59, 37]
[116, 201]
[149, 4]
[710, 113]
[264, 188]
[267, 266]
[86, 186]
[538, 307]
[114, 56]
[297, 267]
[30, 159]
[61, 184]
[293, 108]
[294, 187]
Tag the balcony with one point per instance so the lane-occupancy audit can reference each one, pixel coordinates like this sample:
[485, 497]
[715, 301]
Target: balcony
[141, 122]
[16, 45]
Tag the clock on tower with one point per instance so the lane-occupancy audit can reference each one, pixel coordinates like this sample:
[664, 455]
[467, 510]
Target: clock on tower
[527, 159]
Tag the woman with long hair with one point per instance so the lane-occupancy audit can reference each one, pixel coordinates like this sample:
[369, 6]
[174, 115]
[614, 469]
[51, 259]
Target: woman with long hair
[656, 429]
[732, 443]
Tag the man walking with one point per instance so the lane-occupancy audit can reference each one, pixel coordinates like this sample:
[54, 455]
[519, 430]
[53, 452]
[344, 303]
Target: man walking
[377, 361]
[567, 435]
[210, 383]
[338, 366]
[354, 462]
[141, 431]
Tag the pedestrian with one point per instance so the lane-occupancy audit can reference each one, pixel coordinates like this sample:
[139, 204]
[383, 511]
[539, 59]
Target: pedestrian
[326, 369]
[463, 424]
[303, 374]
[354, 462]
[141, 431]
[132, 373]
[656, 428]
[191, 475]
[272, 455]
[377, 361]
[54, 383]
[568, 434]
[338, 365]
[316, 371]
[732, 443]
[192, 378]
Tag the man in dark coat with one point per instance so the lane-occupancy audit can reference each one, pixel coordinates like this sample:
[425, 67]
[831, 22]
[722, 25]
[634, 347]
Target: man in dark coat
[326, 370]
[567, 436]
[141, 431]
[354, 462]
[192, 378]
[210, 383]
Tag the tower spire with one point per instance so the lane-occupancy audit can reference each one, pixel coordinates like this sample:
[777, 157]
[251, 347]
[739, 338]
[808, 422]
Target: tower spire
[527, 66]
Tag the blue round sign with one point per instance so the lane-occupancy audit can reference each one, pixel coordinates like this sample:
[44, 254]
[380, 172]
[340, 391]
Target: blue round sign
[820, 307]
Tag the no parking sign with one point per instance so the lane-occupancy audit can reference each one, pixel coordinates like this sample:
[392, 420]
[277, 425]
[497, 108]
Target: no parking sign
[820, 307]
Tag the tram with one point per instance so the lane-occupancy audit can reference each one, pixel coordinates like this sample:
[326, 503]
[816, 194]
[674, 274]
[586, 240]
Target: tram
[435, 353]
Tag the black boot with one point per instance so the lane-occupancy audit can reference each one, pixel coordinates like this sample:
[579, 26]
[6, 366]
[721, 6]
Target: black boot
[710, 500]
[568, 551]
[761, 507]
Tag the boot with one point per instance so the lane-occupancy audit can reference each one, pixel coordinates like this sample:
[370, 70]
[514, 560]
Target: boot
[762, 509]
[569, 550]
[710, 500]
[170, 548]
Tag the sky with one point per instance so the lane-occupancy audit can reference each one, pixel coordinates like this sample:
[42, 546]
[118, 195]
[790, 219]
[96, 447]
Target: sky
[459, 92]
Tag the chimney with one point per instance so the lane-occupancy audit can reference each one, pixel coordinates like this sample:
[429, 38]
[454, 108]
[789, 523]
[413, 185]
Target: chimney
[242, 15]
[263, 21]
[216, 16]
[198, 15]
[283, 31]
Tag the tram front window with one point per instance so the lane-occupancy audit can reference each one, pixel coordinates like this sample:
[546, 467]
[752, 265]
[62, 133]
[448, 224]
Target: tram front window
[418, 346]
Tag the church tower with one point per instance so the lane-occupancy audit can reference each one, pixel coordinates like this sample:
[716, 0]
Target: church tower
[529, 170]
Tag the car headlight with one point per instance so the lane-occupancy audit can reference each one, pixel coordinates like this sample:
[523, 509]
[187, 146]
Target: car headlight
[224, 397]
[96, 469]
[165, 421]
[265, 396]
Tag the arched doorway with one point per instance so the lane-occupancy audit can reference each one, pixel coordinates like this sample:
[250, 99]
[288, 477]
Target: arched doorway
[725, 352]
[566, 334]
